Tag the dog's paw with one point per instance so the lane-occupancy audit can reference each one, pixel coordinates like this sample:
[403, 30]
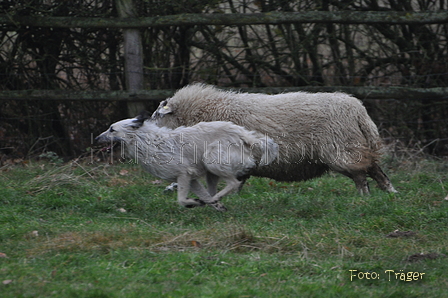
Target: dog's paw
[194, 203]
[219, 207]
[171, 188]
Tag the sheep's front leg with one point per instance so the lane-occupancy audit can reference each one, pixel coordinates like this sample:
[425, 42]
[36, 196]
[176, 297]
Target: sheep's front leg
[183, 187]
[198, 189]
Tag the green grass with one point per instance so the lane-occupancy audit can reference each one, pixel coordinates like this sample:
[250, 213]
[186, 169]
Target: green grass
[80, 230]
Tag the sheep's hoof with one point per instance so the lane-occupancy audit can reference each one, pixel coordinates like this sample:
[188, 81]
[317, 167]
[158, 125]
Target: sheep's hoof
[197, 203]
[392, 190]
[218, 206]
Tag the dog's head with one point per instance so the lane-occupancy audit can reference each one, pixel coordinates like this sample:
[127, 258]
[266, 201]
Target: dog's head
[121, 130]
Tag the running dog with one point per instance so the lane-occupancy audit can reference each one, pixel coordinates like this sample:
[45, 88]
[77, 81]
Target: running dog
[214, 150]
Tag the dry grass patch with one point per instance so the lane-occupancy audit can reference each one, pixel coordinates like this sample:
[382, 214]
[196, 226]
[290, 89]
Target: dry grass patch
[228, 238]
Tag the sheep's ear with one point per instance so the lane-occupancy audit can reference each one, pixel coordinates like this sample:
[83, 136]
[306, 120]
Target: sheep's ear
[165, 110]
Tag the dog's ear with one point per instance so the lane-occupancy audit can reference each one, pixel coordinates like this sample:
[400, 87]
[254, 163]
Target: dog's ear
[142, 117]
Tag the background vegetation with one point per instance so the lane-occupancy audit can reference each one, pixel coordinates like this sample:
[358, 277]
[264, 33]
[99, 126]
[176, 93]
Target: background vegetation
[280, 55]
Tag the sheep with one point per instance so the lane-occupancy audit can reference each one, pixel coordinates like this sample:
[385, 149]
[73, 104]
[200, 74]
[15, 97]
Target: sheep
[316, 132]
[217, 150]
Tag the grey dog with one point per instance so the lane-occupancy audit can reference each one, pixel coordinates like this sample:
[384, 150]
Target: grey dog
[214, 150]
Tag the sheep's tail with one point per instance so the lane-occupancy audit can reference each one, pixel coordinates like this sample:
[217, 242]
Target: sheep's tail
[370, 132]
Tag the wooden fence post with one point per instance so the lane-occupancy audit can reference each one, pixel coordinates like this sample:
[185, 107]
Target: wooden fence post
[133, 55]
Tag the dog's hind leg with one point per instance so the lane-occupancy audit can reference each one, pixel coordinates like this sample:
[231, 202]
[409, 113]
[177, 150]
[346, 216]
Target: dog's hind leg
[183, 187]
[199, 190]
[232, 184]
[243, 180]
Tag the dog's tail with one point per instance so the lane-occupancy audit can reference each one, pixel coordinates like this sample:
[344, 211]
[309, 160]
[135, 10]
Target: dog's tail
[269, 150]
[238, 151]
[262, 148]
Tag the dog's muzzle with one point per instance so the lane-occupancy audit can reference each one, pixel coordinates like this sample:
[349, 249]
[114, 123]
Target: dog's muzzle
[102, 140]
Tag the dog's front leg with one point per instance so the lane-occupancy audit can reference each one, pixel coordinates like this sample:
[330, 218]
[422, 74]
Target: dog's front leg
[212, 183]
[183, 187]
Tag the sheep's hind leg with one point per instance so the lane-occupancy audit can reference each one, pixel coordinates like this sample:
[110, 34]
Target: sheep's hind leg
[360, 179]
[361, 183]
[183, 188]
[198, 189]
[383, 181]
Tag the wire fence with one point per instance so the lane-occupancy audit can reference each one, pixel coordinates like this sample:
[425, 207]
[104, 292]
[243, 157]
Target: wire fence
[368, 80]
[69, 127]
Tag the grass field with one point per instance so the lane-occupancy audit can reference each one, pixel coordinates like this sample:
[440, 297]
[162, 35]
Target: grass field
[99, 230]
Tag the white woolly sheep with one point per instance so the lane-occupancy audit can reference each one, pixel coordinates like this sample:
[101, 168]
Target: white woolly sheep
[213, 149]
[316, 132]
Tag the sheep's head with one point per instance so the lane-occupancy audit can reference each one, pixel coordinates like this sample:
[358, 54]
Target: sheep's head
[162, 110]
[185, 107]
[162, 115]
